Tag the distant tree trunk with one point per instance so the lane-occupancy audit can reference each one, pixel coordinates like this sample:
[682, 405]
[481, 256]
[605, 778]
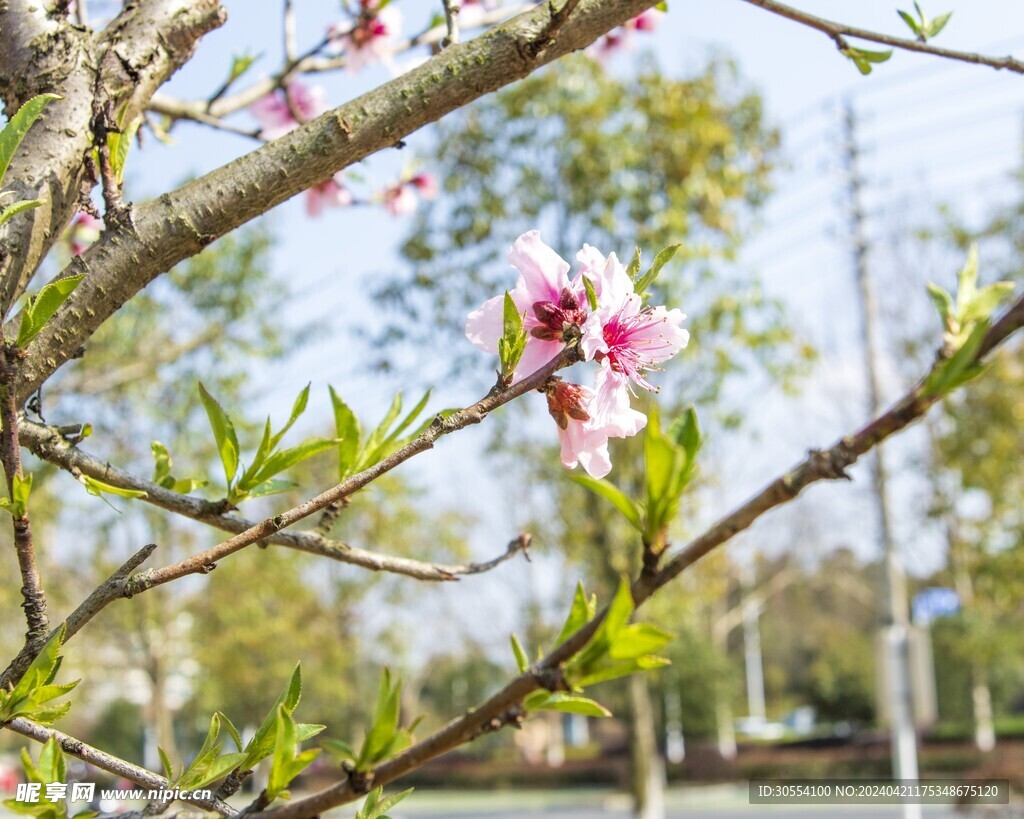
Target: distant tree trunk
[647, 772]
[984, 729]
[726, 732]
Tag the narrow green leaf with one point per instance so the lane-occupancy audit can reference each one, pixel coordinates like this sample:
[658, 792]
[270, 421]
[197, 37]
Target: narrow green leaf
[120, 144]
[371, 452]
[511, 344]
[39, 310]
[912, 24]
[938, 24]
[165, 760]
[273, 486]
[339, 749]
[223, 434]
[411, 417]
[579, 615]
[943, 302]
[522, 661]
[663, 258]
[298, 408]
[22, 486]
[573, 704]
[161, 462]
[262, 743]
[633, 268]
[384, 805]
[636, 640]
[99, 488]
[17, 126]
[986, 301]
[347, 428]
[287, 458]
[615, 496]
[15, 208]
[618, 614]
[588, 286]
[967, 283]
[614, 669]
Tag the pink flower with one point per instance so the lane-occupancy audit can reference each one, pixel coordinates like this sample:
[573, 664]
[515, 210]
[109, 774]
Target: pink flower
[83, 231]
[582, 442]
[399, 199]
[331, 193]
[628, 339]
[552, 305]
[426, 184]
[620, 38]
[373, 37]
[277, 114]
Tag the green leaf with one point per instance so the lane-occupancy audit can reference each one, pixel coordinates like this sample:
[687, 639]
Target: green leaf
[614, 669]
[943, 302]
[14, 209]
[938, 24]
[262, 743]
[229, 726]
[865, 59]
[414, 413]
[663, 258]
[119, 145]
[22, 488]
[522, 661]
[223, 434]
[287, 458]
[40, 309]
[986, 301]
[347, 428]
[161, 462]
[636, 640]
[99, 488]
[662, 6]
[572, 704]
[633, 268]
[960, 367]
[298, 408]
[166, 762]
[615, 496]
[618, 614]
[34, 689]
[513, 340]
[384, 805]
[287, 762]
[18, 125]
[580, 613]
[370, 453]
[270, 487]
[911, 22]
[384, 738]
[967, 283]
[588, 286]
[241, 63]
[339, 749]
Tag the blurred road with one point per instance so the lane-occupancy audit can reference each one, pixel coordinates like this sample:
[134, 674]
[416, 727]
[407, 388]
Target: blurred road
[717, 802]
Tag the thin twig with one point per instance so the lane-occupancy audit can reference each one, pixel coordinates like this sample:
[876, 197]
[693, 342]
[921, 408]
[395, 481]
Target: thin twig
[496, 711]
[86, 610]
[121, 586]
[837, 31]
[309, 63]
[109, 763]
[81, 13]
[451, 21]
[33, 597]
[290, 41]
[49, 444]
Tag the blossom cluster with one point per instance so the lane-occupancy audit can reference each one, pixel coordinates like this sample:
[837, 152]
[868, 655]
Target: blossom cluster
[612, 326]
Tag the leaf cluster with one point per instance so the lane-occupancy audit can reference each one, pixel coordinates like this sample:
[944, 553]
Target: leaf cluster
[35, 692]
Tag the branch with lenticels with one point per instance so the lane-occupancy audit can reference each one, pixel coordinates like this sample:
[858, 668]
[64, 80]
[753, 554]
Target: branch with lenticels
[124, 584]
[49, 444]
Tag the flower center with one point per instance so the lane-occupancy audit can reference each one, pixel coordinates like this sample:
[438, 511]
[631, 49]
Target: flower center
[557, 319]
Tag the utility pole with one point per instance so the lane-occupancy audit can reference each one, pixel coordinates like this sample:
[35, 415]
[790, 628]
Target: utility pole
[903, 737]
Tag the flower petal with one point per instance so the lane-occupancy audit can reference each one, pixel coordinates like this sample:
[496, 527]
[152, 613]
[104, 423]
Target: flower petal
[544, 272]
[485, 325]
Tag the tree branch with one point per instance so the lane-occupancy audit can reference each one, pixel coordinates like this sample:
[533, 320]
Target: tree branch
[124, 583]
[505, 706]
[451, 22]
[135, 55]
[33, 598]
[179, 224]
[109, 763]
[837, 31]
[48, 444]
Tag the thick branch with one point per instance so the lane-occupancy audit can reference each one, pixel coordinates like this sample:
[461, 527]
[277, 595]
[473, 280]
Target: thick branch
[107, 762]
[136, 54]
[837, 31]
[48, 444]
[504, 707]
[179, 224]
